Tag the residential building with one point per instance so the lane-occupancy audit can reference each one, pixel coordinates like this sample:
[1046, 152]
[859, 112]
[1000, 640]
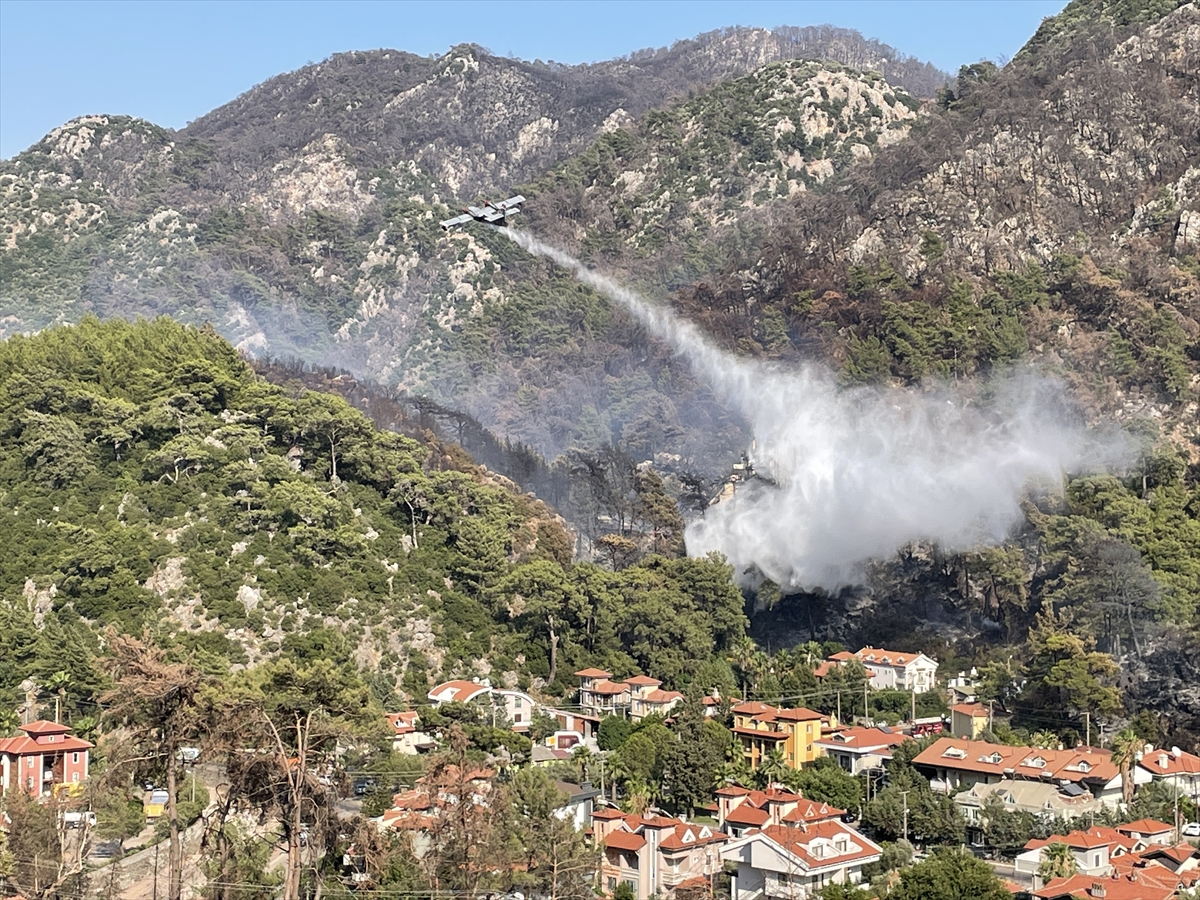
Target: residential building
[1046, 801]
[1088, 887]
[858, 750]
[968, 720]
[1150, 830]
[638, 697]
[1178, 769]
[914, 672]
[739, 810]
[796, 862]
[964, 687]
[407, 736]
[45, 757]
[600, 696]
[761, 728]
[580, 799]
[655, 855]
[515, 707]
[1094, 850]
[954, 764]
[648, 699]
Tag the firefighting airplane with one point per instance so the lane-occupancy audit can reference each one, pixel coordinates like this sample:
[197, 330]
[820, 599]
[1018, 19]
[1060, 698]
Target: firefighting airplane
[491, 213]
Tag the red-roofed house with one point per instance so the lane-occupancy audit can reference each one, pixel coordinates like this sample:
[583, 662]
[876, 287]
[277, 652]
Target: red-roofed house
[952, 764]
[914, 672]
[639, 696]
[647, 698]
[45, 756]
[1180, 770]
[1089, 887]
[796, 862]
[739, 809]
[859, 749]
[406, 736]
[518, 707]
[654, 854]
[1094, 850]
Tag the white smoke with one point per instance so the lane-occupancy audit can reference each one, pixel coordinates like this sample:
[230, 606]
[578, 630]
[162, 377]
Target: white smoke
[854, 475]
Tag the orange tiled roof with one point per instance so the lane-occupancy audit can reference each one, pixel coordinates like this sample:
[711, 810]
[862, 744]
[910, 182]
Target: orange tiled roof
[862, 738]
[799, 842]
[685, 835]
[609, 687]
[1165, 762]
[885, 657]
[593, 673]
[732, 790]
[639, 680]
[797, 715]
[42, 726]
[748, 815]
[22, 745]
[1115, 888]
[813, 812]
[457, 691]
[663, 696]
[765, 735]
[1145, 826]
[752, 708]
[1080, 764]
[607, 812]
[974, 710]
[624, 840]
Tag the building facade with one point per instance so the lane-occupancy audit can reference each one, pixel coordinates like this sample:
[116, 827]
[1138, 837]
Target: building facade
[46, 757]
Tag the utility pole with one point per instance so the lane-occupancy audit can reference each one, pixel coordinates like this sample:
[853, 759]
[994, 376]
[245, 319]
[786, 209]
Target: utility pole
[904, 794]
[839, 696]
[1087, 716]
[866, 708]
[913, 696]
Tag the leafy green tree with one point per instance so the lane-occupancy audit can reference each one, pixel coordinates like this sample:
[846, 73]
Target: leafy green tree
[826, 782]
[949, 874]
[613, 732]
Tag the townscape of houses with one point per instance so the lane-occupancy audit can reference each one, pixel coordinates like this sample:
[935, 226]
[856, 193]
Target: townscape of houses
[775, 843]
[771, 843]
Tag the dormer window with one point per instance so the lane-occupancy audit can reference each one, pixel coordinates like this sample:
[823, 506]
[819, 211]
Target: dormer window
[688, 837]
[1036, 762]
[955, 753]
[705, 833]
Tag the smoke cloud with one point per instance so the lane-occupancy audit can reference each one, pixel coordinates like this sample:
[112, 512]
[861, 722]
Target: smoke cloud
[850, 475]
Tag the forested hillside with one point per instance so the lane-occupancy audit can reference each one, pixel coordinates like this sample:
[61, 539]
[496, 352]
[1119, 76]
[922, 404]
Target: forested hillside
[151, 480]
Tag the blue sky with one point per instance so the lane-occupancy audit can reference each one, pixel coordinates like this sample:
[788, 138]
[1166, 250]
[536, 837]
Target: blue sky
[173, 62]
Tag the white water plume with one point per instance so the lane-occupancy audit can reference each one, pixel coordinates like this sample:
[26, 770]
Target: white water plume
[856, 474]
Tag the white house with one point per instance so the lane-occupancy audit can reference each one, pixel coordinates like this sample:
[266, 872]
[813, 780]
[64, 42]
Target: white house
[796, 862]
[1174, 767]
[578, 808]
[859, 749]
[914, 672]
[514, 707]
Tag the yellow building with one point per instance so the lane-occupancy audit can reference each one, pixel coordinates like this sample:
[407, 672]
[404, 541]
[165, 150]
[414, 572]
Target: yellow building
[968, 720]
[762, 728]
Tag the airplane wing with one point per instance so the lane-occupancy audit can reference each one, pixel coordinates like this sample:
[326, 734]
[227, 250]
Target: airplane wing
[457, 220]
[511, 203]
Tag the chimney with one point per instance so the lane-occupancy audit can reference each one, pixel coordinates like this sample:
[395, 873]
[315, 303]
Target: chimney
[1162, 760]
[1097, 890]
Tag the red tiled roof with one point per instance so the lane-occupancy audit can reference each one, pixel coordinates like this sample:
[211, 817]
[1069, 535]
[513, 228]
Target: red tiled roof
[797, 715]
[27, 746]
[885, 657]
[842, 656]
[862, 739]
[609, 687]
[457, 691]
[1177, 853]
[1145, 826]
[41, 726]
[1001, 759]
[974, 710]
[752, 708]
[765, 735]
[732, 790]
[1165, 762]
[822, 669]
[1115, 888]
[746, 814]
[593, 673]
[685, 835]
[813, 812]
[798, 841]
[624, 840]
[607, 812]
[639, 680]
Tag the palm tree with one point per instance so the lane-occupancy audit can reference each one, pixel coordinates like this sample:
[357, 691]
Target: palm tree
[640, 795]
[582, 757]
[1057, 862]
[60, 682]
[1125, 747]
[1046, 740]
[772, 767]
[741, 657]
[618, 770]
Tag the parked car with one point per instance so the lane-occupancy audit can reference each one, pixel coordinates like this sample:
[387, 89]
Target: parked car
[363, 786]
[1191, 829]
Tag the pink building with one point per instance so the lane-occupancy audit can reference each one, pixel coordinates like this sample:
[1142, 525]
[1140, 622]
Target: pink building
[655, 855]
[46, 756]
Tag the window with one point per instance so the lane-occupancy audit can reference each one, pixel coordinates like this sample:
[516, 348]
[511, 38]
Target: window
[75, 757]
[75, 777]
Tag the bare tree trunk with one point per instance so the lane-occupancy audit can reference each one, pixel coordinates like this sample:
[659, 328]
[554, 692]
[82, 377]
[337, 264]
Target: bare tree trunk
[553, 649]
